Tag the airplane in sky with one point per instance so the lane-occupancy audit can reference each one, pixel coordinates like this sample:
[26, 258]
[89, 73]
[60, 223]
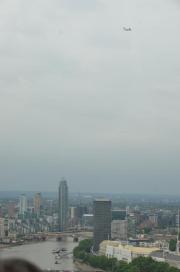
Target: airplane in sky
[127, 29]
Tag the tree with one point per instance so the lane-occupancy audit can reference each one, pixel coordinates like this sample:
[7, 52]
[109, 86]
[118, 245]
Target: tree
[172, 245]
[85, 245]
[140, 264]
[133, 269]
[144, 264]
[121, 266]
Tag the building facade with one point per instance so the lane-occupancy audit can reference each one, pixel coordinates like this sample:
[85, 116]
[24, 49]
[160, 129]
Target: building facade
[1, 212]
[73, 219]
[119, 229]
[11, 209]
[102, 222]
[114, 249]
[23, 204]
[63, 205]
[2, 231]
[88, 220]
[37, 203]
[118, 214]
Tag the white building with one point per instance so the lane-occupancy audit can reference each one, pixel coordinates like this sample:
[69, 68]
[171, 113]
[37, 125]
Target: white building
[119, 229]
[72, 212]
[49, 219]
[23, 204]
[114, 249]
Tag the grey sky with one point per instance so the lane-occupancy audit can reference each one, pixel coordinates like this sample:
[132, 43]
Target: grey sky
[81, 98]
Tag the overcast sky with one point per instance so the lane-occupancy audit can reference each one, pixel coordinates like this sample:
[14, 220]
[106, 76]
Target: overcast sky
[84, 99]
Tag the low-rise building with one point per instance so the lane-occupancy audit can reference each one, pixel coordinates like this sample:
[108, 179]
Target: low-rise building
[114, 249]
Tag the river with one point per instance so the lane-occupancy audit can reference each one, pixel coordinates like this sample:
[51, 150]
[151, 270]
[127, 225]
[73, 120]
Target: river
[41, 254]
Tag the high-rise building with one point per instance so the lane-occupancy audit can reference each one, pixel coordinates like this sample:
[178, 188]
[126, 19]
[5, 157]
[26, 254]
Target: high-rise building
[6, 226]
[23, 204]
[2, 233]
[153, 218]
[1, 212]
[88, 220]
[37, 203]
[73, 219]
[132, 224]
[81, 209]
[102, 221]
[63, 205]
[11, 209]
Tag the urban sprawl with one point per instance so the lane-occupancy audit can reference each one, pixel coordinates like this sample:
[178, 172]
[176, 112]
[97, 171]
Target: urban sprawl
[120, 227]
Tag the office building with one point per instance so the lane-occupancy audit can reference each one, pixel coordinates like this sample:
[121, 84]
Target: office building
[6, 226]
[119, 229]
[114, 249]
[88, 220]
[2, 232]
[153, 218]
[132, 225]
[63, 205]
[11, 209]
[1, 212]
[37, 203]
[118, 214]
[72, 212]
[22, 204]
[102, 221]
[73, 219]
[81, 209]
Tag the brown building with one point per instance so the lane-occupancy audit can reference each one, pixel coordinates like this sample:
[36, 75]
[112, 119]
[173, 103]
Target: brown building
[37, 203]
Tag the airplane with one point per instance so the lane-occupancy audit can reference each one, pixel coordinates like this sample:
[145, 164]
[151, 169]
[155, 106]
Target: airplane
[127, 29]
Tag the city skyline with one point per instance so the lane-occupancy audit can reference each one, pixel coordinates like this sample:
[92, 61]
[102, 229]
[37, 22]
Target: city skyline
[120, 231]
[89, 135]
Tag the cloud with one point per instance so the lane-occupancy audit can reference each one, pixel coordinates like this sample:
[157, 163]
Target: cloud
[74, 84]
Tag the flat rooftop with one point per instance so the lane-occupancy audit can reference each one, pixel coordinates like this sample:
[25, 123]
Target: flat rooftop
[102, 200]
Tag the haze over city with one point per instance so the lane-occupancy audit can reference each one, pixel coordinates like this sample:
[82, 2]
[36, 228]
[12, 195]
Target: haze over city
[84, 99]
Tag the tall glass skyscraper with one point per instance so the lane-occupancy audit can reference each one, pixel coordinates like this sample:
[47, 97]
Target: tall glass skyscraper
[63, 205]
[102, 221]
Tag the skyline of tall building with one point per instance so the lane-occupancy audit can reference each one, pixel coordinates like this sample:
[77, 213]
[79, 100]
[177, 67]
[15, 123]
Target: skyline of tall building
[102, 221]
[63, 205]
[23, 204]
[37, 203]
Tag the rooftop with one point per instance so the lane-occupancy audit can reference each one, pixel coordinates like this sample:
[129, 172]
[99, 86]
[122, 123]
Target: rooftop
[133, 249]
[102, 200]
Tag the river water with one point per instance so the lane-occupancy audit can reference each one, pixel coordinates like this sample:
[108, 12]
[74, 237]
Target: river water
[41, 254]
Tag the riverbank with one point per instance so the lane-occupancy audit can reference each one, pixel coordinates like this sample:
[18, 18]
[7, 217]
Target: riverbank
[10, 245]
[40, 253]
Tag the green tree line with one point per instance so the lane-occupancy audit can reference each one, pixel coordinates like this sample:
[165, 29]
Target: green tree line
[140, 264]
